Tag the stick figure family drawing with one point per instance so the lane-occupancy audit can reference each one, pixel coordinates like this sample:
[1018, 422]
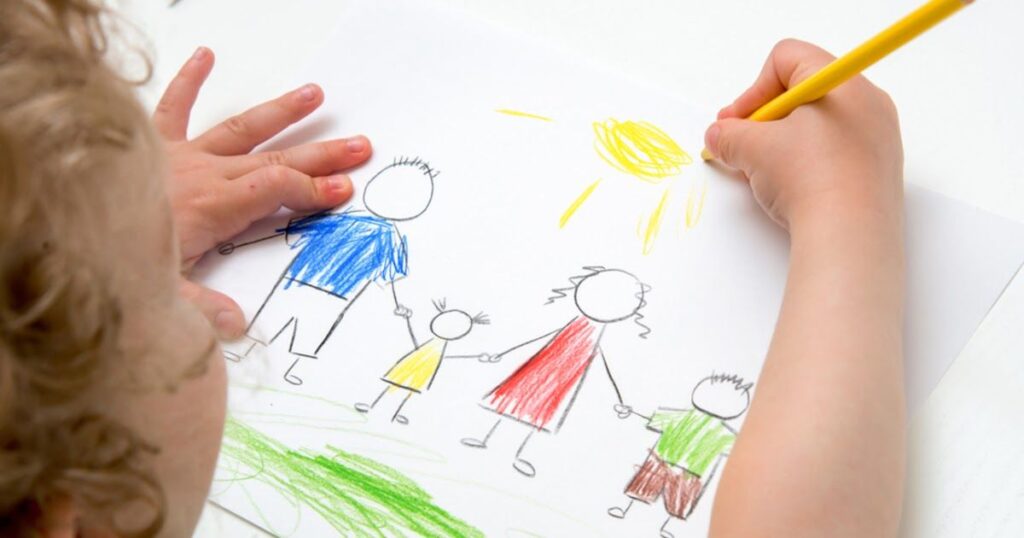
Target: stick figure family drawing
[339, 254]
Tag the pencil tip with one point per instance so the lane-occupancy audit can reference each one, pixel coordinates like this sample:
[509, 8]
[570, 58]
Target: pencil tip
[706, 155]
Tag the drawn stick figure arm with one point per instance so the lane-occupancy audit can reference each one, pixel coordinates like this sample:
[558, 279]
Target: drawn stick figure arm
[481, 357]
[295, 224]
[227, 248]
[526, 343]
[402, 312]
[611, 378]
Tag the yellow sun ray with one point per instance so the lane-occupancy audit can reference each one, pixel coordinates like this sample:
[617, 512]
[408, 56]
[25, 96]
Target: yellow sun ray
[521, 114]
[695, 206]
[654, 224]
[571, 210]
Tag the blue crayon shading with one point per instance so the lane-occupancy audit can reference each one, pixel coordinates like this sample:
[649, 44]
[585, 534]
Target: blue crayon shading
[341, 251]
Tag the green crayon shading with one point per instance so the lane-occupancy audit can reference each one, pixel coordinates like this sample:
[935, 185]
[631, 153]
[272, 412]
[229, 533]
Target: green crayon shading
[356, 495]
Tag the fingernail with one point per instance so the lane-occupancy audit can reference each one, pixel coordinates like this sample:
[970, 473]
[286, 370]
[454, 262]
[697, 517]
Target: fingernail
[356, 144]
[711, 138]
[307, 92]
[200, 53]
[228, 324]
[338, 183]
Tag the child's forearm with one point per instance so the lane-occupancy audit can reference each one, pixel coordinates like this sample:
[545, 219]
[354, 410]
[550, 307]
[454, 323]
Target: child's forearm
[822, 449]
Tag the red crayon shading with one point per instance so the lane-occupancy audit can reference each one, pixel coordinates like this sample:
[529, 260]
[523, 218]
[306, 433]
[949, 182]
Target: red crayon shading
[536, 391]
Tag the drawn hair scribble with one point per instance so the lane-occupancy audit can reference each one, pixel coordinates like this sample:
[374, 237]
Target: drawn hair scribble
[441, 305]
[481, 319]
[562, 293]
[736, 381]
[417, 163]
[642, 295]
[591, 270]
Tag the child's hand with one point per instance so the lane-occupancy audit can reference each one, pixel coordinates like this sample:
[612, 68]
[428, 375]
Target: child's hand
[839, 155]
[217, 187]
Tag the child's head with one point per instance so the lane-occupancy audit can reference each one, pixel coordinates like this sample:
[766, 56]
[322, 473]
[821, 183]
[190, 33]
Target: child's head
[110, 405]
[607, 296]
[401, 191]
[722, 395]
[451, 324]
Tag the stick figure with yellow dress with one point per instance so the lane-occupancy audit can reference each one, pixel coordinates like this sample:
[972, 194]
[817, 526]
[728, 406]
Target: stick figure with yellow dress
[414, 373]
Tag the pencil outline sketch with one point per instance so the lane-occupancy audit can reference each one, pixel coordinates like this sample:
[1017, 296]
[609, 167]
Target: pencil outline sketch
[691, 446]
[415, 371]
[339, 255]
[542, 390]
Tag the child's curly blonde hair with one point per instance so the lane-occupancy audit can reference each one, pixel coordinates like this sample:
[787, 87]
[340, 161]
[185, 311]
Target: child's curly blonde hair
[68, 125]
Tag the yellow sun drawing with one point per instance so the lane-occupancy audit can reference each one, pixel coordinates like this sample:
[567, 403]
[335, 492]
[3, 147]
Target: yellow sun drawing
[641, 150]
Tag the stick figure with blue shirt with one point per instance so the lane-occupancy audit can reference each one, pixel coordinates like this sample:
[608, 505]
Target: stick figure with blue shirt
[339, 255]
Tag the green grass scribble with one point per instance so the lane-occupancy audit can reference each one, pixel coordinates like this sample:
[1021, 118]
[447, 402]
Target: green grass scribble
[357, 496]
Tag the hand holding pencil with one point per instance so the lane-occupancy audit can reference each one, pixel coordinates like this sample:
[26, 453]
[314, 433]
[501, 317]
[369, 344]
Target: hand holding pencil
[840, 70]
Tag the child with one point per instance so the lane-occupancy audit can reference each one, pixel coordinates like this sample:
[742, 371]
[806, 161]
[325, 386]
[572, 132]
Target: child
[690, 446]
[340, 255]
[112, 388]
[540, 393]
[414, 373]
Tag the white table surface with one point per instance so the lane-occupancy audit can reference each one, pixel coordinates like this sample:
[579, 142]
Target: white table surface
[961, 103]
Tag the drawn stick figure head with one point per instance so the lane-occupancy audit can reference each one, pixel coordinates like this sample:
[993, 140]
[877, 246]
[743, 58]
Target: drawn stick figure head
[402, 190]
[609, 295]
[454, 324]
[721, 395]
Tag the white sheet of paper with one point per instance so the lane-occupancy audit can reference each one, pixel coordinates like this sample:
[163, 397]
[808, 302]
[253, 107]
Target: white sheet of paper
[427, 83]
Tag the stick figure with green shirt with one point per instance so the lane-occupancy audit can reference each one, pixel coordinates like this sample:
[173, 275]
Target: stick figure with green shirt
[690, 448]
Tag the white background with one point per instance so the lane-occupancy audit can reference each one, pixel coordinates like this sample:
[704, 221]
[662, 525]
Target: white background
[960, 101]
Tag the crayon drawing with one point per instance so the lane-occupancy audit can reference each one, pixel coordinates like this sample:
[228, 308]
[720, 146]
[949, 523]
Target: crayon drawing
[414, 373]
[540, 393]
[339, 255]
[641, 150]
[355, 495]
[690, 448]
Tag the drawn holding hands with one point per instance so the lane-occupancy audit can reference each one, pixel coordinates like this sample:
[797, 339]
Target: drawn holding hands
[218, 187]
[488, 357]
[623, 411]
[403, 311]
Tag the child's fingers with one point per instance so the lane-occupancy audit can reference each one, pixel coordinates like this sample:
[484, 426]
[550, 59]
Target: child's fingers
[790, 62]
[239, 134]
[262, 192]
[737, 142]
[223, 312]
[173, 111]
[315, 159]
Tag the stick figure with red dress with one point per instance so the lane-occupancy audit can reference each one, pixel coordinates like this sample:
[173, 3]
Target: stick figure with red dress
[540, 393]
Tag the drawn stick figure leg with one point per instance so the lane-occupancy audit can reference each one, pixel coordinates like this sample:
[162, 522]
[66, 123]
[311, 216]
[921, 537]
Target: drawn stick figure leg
[524, 467]
[236, 355]
[365, 408]
[398, 417]
[473, 442]
[619, 513]
[664, 532]
[341, 315]
[289, 374]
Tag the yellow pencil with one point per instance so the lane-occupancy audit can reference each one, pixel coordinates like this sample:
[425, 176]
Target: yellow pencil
[842, 69]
